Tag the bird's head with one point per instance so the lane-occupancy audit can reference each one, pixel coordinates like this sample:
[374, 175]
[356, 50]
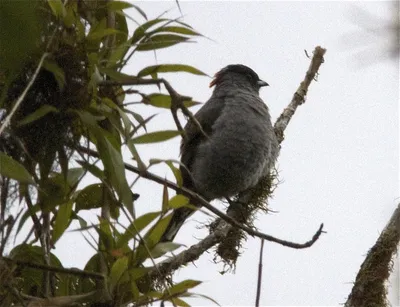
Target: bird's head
[238, 75]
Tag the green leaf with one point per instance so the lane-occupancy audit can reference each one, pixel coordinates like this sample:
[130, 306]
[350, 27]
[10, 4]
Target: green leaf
[170, 162]
[158, 100]
[151, 238]
[155, 137]
[20, 25]
[118, 54]
[177, 173]
[178, 201]
[141, 30]
[136, 273]
[164, 101]
[190, 294]
[14, 170]
[74, 175]
[191, 103]
[98, 35]
[179, 302]
[177, 29]
[138, 225]
[57, 7]
[39, 113]
[170, 68]
[90, 197]
[155, 234]
[114, 165]
[122, 5]
[111, 158]
[142, 122]
[57, 71]
[164, 247]
[165, 199]
[62, 220]
[121, 25]
[160, 41]
[117, 270]
[136, 156]
[127, 123]
[105, 235]
[30, 280]
[118, 5]
[116, 75]
[183, 286]
[71, 17]
[93, 169]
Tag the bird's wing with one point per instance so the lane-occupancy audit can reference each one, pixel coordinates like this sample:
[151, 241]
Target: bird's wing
[206, 117]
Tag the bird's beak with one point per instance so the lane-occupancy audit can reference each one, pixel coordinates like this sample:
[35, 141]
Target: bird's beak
[262, 83]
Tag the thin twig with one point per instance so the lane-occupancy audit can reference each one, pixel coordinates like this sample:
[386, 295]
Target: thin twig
[176, 102]
[201, 201]
[259, 278]
[54, 269]
[46, 253]
[176, 99]
[22, 96]
[36, 222]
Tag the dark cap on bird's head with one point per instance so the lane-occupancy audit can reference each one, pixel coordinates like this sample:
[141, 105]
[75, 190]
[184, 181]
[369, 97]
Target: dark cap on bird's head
[239, 69]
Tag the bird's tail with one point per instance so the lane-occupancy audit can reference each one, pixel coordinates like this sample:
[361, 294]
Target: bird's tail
[178, 218]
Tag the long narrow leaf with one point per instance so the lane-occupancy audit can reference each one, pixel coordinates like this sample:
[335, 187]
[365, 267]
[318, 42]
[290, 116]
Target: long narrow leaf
[170, 68]
[14, 170]
[155, 137]
[160, 41]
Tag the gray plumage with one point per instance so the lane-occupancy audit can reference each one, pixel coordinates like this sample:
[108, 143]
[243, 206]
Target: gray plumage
[241, 146]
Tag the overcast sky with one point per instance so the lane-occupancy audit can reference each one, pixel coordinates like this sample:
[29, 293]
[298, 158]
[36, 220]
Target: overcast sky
[338, 164]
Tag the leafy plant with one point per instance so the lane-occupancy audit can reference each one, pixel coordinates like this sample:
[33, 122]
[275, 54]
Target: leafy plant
[62, 100]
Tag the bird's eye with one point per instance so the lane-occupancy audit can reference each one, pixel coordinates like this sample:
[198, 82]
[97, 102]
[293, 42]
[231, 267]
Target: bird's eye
[250, 77]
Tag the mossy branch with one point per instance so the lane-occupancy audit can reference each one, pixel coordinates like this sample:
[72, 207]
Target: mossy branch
[369, 288]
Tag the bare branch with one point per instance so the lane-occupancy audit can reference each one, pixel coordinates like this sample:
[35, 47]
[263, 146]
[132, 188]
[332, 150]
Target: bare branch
[299, 96]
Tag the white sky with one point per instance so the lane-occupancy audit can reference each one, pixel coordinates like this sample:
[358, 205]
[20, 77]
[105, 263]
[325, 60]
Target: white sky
[338, 163]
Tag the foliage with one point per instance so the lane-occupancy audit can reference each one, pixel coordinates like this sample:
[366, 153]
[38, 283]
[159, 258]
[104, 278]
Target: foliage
[69, 107]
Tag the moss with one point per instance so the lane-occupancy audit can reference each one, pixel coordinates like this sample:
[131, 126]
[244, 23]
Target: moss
[229, 250]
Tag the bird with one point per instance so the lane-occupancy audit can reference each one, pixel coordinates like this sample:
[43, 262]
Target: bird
[237, 146]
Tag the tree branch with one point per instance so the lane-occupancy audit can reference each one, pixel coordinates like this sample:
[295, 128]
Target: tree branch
[61, 301]
[176, 99]
[299, 96]
[369, 288]
[22, 96]
[259, 278]
[54, 269]
[201, 201]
